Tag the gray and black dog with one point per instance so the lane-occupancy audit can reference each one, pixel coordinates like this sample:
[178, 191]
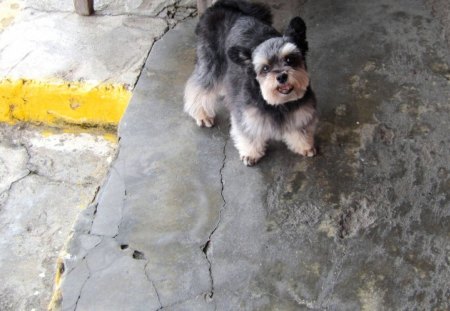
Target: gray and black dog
[262, 74]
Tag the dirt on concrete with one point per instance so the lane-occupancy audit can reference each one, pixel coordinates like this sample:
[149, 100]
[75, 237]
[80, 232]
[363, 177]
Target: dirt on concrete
[441, 10]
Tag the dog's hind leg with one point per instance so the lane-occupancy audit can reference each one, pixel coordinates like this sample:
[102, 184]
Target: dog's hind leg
[200, 102]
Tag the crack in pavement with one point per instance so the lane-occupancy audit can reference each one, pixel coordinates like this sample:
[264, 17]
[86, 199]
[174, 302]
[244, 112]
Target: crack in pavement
[121, 214]
[124, 199]
[170, 26]
[141, 69]
[91, 272]
[33, 171]
[100, 12]
[11, 185]
[84, 283]
[67, 272]
[153, 284]
[207, 246]
[94, 213]
[18, 63]
[96, 196]
[183, 301]
[30, 172]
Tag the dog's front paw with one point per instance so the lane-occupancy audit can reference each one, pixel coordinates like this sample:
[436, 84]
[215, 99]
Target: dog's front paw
[249, 161]
[309, 152]
[205, 122]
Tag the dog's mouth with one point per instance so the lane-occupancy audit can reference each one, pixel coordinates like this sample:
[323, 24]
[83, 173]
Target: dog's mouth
[285, 88]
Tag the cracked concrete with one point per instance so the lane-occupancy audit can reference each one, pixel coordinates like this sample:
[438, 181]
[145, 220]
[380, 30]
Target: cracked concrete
[176, 265]
[45, 180]
[151, 8]
[362, 226]
[118, 26]
[38, 167]
[108, 267]
[207, 247]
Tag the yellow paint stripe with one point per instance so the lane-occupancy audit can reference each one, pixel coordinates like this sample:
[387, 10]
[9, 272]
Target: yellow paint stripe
[63, 104]
[56, 300]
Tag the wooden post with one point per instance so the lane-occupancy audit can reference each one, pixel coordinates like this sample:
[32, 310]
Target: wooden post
[84, 7]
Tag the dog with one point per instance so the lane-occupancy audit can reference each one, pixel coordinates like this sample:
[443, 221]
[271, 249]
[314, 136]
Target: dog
[261, 74]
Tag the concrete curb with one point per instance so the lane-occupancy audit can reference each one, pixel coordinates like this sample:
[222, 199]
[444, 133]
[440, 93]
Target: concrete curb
[63, 104]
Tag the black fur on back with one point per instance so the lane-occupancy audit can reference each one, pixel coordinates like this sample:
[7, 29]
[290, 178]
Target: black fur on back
[257, 10]
[213, 31]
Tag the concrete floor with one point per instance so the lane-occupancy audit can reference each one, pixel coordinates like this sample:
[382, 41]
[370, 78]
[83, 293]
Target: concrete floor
[46, 180]
[48, 176]
[182, 224]
[46, 40]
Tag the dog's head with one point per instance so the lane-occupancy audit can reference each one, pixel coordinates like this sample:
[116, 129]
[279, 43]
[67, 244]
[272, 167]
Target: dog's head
[279, 64]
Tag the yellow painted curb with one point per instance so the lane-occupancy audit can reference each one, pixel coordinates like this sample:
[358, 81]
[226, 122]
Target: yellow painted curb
[63, 104]
[56, 300]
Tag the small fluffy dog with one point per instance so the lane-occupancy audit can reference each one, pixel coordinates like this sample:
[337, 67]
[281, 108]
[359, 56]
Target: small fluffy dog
[262, 75]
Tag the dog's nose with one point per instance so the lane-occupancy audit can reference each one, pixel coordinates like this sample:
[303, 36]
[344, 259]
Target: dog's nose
[282, 78]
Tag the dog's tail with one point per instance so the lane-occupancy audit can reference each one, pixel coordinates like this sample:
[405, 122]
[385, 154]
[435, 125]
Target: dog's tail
[256, 10]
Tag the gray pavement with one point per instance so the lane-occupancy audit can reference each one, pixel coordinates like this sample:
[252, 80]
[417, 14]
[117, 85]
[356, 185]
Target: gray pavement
[48, 176]
[182, 224]
[45, 182]
[46, 40]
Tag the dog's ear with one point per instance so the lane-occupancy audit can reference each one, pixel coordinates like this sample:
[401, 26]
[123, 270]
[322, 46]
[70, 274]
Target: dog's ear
[240, 55]
[297, 31]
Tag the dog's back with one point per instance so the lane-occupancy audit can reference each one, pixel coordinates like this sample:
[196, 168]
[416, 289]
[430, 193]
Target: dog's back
[223, 25]
[213, 35]
[222, 7]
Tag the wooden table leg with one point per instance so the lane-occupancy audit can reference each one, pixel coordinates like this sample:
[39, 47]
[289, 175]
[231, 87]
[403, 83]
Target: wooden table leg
[84, 7]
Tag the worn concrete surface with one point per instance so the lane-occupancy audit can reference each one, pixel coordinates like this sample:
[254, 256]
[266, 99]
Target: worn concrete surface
[48, 178]
[45, 182]
[441, 10]
[117, 7]
[40, 40]
[182, 224]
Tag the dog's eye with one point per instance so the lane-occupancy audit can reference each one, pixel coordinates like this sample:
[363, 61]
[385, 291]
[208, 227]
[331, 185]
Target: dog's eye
[266, 69]
[289, 60]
